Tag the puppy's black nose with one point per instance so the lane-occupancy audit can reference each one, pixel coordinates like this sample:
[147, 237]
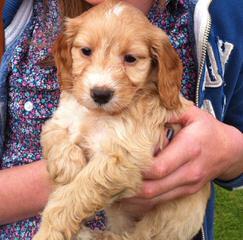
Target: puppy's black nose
[101, 95]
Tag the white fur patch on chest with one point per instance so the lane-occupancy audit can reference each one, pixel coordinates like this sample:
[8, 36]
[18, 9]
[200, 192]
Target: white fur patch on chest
[97, 138]
[70, 115]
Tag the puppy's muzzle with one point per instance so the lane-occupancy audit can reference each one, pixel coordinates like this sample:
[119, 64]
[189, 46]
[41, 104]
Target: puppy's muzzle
[101, 95]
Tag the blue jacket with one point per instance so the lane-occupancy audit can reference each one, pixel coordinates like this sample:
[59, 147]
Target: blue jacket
[219, 41]
[219, 47]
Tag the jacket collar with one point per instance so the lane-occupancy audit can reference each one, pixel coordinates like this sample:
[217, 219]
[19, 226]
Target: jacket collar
[201, 20]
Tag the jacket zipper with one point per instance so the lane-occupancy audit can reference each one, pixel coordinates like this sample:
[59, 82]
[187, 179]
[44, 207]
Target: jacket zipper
[203, 234]
[203, 57]
[200, 72]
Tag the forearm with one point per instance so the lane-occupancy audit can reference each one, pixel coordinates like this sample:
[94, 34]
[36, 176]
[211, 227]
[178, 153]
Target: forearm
[24, 191]
[236, 143]
[233, 172]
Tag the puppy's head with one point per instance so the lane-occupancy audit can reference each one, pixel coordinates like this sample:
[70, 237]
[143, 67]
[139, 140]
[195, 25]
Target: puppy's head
[110, 52]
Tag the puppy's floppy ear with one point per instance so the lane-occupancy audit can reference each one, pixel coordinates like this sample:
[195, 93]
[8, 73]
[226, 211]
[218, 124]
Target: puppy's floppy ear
[62, 54]
[169, 70]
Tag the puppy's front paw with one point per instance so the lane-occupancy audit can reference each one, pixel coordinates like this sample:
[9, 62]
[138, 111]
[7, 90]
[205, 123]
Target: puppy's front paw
[65, 161]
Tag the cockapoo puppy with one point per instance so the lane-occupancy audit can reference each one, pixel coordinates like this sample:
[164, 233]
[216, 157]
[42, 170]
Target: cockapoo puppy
[120, 82]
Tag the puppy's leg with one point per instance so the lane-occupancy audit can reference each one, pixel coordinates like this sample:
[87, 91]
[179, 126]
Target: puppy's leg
[65, 157]
[104, 179]
[180, 219]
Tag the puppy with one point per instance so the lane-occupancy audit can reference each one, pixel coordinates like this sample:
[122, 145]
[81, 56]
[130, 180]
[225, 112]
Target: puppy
[120, 81]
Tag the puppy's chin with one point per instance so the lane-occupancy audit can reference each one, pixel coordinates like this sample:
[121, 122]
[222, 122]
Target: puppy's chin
[111, 108]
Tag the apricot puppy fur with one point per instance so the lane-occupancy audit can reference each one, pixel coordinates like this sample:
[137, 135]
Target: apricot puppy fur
[120, 82]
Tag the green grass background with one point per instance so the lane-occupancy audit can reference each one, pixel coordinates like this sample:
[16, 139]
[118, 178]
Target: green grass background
[229, 215]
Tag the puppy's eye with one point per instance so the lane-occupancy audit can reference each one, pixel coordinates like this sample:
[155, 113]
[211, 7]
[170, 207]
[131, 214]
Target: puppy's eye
[86, 51]
[130, 58]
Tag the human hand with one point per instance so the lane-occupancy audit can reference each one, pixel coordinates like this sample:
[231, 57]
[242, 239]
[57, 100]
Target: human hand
[203, 150]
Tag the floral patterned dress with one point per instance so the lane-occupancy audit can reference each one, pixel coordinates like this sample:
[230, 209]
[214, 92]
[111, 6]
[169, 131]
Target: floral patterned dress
[33, 89]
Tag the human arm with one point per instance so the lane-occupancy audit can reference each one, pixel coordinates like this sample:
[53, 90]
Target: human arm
[24, 191]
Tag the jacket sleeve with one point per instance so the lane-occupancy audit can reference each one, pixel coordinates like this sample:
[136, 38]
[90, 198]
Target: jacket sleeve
[234, 116]
[234, 184]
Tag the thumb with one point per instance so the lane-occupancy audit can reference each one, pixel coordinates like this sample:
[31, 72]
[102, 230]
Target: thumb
[185, 117]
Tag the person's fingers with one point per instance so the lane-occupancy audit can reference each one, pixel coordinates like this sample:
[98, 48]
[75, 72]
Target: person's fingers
[188, 174]
[186, 117]
[181, 150]
[182, 191]
[179, 192]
